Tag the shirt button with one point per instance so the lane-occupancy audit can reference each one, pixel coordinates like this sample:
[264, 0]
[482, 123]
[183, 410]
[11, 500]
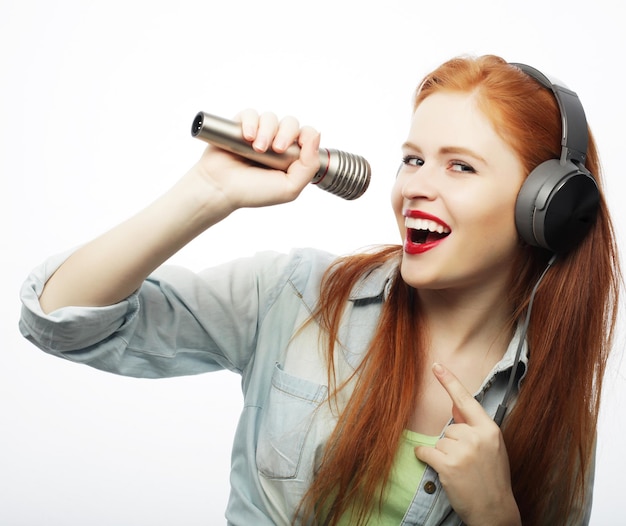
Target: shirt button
[430, 487]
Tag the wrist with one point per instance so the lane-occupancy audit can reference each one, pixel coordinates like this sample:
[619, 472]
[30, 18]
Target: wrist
[504, 514]
[197, 202]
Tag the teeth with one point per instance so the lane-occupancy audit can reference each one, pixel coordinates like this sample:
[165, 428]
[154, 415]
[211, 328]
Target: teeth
[425, 224]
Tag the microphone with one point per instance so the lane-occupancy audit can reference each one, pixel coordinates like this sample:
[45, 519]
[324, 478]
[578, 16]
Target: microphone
[343, 174]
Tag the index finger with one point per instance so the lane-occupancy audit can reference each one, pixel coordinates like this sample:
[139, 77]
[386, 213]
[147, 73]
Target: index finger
[465, 407]
[249, 119]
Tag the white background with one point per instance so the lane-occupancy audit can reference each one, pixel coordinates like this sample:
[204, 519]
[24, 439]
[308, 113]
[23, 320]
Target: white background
[96, 102]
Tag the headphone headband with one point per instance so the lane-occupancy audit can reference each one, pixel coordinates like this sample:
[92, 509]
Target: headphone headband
[574, 136]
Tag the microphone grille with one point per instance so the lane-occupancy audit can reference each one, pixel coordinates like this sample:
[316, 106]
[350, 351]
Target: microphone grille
[347, 175]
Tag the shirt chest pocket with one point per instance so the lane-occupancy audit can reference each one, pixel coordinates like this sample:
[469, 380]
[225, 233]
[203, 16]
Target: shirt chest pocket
[287, 419]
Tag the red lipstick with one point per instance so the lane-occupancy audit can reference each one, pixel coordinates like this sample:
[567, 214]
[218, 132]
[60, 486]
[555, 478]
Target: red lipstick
[424, 231]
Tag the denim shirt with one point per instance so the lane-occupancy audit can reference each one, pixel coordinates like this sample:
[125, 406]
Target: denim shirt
[247, 316]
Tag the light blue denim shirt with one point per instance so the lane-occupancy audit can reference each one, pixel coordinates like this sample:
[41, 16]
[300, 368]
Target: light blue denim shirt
[245, 316]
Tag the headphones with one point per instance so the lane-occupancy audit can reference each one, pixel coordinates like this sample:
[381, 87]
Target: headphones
[559, 199]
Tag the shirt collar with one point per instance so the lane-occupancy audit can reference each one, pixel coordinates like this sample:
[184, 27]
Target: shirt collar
[508, 360]
[376, 283]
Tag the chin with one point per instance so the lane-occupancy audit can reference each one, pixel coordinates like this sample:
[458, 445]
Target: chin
[419, 277]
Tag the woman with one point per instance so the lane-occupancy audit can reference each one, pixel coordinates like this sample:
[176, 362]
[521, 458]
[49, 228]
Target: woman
[345, 421]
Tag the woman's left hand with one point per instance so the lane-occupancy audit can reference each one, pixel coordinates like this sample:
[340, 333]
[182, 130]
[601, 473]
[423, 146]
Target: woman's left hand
[472, 461]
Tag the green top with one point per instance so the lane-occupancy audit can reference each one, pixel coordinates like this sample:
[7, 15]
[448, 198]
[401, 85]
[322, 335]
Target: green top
[406, 473]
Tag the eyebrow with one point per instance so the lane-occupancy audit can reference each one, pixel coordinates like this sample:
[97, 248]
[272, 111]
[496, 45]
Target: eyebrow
[446, 150]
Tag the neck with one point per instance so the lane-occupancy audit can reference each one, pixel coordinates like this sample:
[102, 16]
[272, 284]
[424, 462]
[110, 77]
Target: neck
[475, 322]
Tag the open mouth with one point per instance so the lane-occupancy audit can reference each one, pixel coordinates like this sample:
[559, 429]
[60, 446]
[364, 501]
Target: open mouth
[425, 230]
[423, 233]
[420, 237]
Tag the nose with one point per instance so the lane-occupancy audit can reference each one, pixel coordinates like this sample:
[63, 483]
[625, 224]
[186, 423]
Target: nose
[417, 183]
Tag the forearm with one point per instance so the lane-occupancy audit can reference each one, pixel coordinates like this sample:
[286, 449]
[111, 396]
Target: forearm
[112, 266]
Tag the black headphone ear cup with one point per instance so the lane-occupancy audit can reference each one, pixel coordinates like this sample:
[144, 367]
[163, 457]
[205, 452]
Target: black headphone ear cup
[556, 206]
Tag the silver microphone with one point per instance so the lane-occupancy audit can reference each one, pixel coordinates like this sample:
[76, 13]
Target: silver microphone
[340, 173]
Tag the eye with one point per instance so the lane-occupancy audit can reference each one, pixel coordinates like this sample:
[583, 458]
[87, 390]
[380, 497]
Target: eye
[412, 160]
[460, 166]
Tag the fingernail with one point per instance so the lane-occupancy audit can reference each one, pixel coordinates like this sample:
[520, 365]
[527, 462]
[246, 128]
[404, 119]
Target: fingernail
[249, 132]
[260, 144]
[438, 369]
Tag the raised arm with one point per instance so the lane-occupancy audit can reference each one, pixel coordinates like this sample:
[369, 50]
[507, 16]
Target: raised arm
[112, 266]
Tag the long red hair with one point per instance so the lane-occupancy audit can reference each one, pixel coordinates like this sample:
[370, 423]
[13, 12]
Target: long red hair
[550, 432]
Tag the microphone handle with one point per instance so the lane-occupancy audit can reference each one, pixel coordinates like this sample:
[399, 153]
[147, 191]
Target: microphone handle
[340, 173]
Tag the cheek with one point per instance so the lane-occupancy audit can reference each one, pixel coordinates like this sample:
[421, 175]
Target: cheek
[490, 213]
[498, 225]
[396, 205]
[396, 197]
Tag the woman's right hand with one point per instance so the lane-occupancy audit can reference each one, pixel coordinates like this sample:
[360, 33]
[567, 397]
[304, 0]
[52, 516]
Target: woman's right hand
[243, 184]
